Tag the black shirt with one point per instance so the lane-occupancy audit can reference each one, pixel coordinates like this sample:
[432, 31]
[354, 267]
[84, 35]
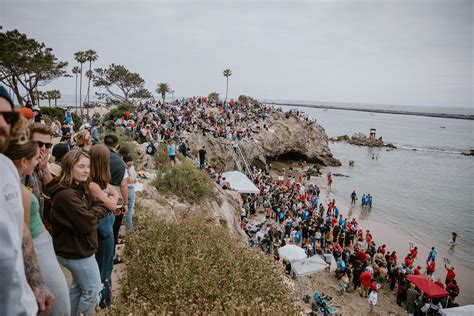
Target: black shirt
[117, 168]
[59, 150]
[202, 154]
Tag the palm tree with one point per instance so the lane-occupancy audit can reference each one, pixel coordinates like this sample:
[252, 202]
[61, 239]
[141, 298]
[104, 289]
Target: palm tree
[76, 71]
[163, 89]
[90, 56]
[227, 73]
[213, 96]
[81, 59]
[56, 94]
[89, 75]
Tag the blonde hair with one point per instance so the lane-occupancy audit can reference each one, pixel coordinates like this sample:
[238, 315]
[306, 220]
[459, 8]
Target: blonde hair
[100, 165]
[66, 178]
[20, 132]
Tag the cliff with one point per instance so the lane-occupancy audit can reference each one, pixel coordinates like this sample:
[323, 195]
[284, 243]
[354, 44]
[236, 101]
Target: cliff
[280, 137]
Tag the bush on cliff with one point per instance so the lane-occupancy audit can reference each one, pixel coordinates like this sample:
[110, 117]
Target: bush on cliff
[118, 112]
[194, 267]
[184, 180]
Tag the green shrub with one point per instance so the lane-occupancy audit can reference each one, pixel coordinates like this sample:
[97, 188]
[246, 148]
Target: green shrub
[185, 181]
[118, 112]
[54, 113]
[191, 266]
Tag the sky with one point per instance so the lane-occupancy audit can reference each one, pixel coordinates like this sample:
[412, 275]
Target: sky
[383, 52]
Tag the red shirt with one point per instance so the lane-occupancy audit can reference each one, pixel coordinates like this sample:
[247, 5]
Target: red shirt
[365, 278]
[450, 275]
[361, 256]
[373, 286]
[431, 267]
[414, 253]
[416, 272]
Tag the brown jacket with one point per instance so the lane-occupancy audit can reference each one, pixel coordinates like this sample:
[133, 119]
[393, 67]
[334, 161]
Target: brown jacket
[75, 215]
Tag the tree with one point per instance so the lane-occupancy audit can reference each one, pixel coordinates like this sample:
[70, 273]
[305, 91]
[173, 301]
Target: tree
[89, 75]
[213, 96]
[119, 83]
[81, 59]
[227, 73]
[163, 89]
[76, 71]
[26, 64]
[55, 95]
[90, 56]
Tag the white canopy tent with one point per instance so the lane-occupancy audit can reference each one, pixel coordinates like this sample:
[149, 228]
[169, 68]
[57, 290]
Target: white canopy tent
[240, 182]
[309, 266]
[291, 253]
[458, 311]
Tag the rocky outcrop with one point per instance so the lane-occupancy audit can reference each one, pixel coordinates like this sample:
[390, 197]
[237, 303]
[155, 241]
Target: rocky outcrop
[224, 211]
[360, 139]
[286, 137]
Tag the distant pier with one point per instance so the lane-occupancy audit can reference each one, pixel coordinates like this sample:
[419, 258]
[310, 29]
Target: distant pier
[344, 108]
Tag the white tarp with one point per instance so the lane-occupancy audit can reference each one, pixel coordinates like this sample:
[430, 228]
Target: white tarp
[240, 182]
[458, 311]
[309, 266]
[291, 253]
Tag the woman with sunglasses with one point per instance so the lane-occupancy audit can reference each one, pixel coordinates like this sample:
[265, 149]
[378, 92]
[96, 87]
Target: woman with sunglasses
[75, 218]
[25, 156]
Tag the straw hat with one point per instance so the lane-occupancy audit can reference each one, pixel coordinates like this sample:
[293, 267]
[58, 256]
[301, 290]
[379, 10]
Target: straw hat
[55, 169]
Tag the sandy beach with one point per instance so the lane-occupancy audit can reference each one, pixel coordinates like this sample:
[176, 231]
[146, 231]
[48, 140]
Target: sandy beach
[395, 240]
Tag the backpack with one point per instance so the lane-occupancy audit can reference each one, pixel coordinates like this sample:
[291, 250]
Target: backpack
[150, 150]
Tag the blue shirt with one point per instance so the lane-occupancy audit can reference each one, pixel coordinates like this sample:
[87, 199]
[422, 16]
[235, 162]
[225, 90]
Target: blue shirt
[341, 265]
[297, 237]
[171, 150]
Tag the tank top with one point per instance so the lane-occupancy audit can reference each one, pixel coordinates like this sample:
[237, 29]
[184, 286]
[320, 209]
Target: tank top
[36, 224]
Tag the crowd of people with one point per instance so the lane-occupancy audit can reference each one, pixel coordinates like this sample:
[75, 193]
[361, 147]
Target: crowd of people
[296, 213]
[69, 213]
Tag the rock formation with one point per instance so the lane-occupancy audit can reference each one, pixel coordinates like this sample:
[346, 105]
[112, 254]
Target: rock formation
[286, 137]
[360, 139]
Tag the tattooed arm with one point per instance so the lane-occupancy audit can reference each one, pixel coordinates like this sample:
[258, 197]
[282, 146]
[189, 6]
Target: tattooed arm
[33, 274]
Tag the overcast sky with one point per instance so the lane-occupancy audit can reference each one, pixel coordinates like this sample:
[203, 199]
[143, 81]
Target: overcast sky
[390, 52]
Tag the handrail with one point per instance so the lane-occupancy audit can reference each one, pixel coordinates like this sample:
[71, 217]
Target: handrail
[242, 156]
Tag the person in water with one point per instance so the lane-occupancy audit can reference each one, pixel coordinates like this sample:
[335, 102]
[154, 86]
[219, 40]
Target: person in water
[353, 197]
[453, 238]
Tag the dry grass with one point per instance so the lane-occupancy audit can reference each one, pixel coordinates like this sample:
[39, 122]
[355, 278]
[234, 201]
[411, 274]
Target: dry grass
[190, 266]
[185, 181]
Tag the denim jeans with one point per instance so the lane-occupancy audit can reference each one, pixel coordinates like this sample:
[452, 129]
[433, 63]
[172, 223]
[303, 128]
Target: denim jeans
[86, 285]
[105, 253]
[131, 209]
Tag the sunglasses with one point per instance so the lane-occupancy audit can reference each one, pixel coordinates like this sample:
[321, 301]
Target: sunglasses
[10, 117]
[47, 145]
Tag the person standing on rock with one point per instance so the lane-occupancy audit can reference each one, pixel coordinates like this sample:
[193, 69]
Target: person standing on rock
[202, 157]
[353, 197]
[372, 301]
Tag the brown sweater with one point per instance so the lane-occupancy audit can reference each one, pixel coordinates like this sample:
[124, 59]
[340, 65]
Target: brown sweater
[75, 215]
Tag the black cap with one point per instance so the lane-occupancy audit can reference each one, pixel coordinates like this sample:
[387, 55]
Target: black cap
[4, 94]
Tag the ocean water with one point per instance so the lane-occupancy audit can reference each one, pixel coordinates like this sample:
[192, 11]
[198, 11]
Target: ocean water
[424, 194]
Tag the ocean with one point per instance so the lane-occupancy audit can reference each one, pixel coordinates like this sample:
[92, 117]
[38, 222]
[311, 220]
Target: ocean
[424, 188]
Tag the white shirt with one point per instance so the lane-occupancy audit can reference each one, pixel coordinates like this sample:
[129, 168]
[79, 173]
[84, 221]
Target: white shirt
[132, 174]
[373, 298]
[16, 296]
